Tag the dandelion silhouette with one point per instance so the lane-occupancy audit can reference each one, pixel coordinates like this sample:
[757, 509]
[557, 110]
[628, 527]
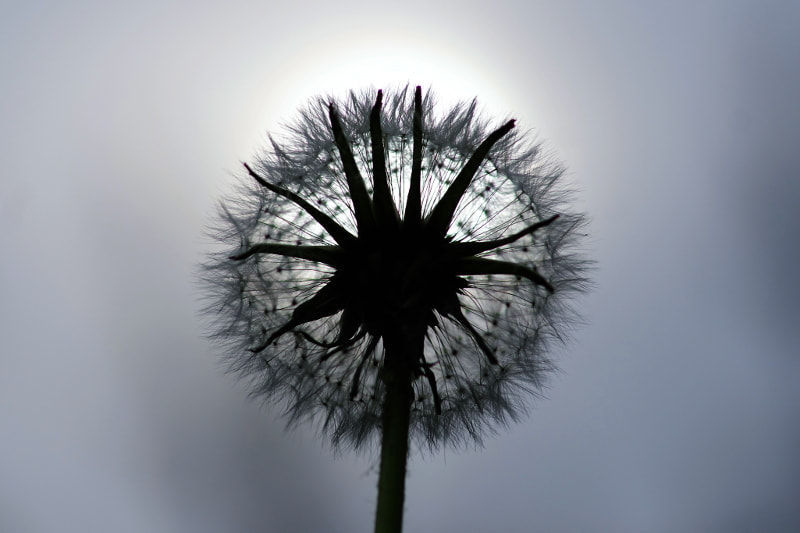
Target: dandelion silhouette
[418, 302]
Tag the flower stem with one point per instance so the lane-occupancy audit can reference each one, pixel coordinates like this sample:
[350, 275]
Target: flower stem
[394, 453]
[397, 378]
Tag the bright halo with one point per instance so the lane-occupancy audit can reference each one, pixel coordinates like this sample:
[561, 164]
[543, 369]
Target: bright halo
[393, 62]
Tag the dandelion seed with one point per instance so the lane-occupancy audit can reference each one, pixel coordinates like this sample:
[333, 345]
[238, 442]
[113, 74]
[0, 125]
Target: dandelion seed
[382, 246]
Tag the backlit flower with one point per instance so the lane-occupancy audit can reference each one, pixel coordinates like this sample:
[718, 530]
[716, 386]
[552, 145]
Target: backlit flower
[379, 225]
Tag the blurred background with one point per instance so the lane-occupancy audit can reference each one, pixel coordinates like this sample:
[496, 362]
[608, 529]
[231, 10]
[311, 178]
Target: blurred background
[677, 407]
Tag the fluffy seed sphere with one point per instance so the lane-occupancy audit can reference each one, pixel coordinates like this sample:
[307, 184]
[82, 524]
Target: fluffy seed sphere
[375, 217]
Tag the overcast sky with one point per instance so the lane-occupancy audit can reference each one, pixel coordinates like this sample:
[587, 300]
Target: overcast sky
[677, 407]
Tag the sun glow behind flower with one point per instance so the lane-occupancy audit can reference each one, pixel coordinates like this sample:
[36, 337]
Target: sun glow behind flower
[395, 60]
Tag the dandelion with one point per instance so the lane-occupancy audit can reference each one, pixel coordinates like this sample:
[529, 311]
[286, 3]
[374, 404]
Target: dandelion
[394, 274]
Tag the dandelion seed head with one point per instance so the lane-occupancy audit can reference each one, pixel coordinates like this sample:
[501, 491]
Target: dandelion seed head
[304, 318]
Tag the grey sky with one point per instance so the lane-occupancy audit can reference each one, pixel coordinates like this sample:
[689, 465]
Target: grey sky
[677, 408]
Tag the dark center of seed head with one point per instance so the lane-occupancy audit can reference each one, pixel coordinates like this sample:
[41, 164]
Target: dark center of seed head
[401, 280]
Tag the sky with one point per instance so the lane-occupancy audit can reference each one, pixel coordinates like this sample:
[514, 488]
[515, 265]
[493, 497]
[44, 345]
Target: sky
[676, 407]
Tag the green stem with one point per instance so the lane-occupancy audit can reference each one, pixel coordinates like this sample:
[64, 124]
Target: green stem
[399, 394]
[394, 453]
